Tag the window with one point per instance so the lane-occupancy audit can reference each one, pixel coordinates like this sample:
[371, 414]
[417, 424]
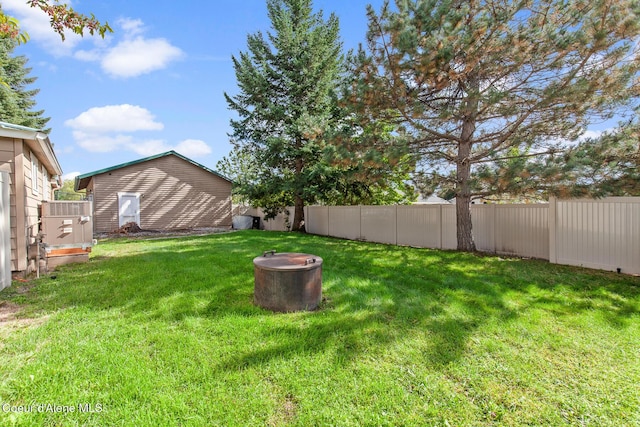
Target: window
[46, 185]
[34, 175]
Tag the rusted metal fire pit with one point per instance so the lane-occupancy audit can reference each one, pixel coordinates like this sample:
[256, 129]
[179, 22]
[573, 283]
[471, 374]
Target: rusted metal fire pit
[287, 281]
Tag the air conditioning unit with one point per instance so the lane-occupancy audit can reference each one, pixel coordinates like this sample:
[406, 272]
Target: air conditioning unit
[66, 231]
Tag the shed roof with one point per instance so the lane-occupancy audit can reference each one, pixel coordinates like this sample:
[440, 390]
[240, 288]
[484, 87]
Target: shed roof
[83, 180]
[37, 141]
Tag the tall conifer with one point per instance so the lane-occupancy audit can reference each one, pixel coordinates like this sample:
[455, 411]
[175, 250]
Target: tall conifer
[17, 99]
[471, 83]
[286, 102]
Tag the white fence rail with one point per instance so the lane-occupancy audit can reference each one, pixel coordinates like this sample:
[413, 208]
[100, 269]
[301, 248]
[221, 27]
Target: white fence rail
[602, 234]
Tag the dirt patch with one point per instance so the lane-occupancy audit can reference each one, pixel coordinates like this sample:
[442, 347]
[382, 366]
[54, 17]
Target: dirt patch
[285, 413]
[128, 228]
[11, 320]
[8, 311]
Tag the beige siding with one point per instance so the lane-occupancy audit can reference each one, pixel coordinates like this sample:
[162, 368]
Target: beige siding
[174, 194]
[15, 157]
[32, 202]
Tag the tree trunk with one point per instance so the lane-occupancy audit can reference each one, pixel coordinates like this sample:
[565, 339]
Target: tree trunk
[463, 174]
[463, 201]
[298, 215]
[463, 224]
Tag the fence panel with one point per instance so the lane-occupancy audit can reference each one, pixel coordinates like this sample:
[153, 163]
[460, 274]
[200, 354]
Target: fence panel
[484, 234]
[449, 233]
[420, 226]
[522, 230]
[317, 220]
[344, 222]
[602, 234]
[378, 224]
[5, 232]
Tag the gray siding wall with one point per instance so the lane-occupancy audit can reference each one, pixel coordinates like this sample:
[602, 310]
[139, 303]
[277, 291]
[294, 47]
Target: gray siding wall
[174, 194]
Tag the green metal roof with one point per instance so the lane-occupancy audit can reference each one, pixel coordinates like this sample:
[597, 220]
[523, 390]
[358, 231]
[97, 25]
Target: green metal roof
[83, 180]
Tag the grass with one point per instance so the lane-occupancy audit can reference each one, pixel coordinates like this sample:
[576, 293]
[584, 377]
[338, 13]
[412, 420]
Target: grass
[164, 332]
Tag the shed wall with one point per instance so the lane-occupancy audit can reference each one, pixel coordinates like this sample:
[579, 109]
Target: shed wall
[174, 194]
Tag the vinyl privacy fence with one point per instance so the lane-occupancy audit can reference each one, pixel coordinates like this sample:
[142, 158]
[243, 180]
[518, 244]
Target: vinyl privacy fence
[602, 234]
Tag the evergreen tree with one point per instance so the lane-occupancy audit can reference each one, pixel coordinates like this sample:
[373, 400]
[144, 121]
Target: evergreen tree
[601, 167]
[16, 99]
[475, 83]
[67, 192]
[286, 103]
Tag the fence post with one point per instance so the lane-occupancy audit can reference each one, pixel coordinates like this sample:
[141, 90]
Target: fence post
[494, 232]
[440, 225]
[395, 238]
[551, 219]
[360, 223]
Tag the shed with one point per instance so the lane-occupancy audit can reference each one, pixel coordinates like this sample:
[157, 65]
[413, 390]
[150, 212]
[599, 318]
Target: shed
[166, 191]
[30, 172]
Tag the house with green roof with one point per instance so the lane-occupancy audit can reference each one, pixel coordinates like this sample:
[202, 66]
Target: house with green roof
[167, 191]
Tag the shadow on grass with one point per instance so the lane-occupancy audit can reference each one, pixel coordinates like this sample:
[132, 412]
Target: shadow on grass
[375, 295]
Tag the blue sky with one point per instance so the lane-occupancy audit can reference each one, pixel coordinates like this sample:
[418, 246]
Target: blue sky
[156, 83]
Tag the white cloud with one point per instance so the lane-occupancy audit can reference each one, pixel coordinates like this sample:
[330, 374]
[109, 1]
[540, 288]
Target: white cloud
[108, 128]
[36, 23]
[149, 147]
[588, 134]
[593, 134]
[114, 118]
[193, 148]
[70, 176]
[131, 26]
[88, 55]
[132, 58]
[101, 143]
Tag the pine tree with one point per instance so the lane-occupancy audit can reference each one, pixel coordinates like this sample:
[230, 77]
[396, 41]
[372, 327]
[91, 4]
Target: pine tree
[16, 99]
[473, 83]
[286, 103]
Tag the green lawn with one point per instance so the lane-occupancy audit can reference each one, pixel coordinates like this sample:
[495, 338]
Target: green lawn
[164, 332]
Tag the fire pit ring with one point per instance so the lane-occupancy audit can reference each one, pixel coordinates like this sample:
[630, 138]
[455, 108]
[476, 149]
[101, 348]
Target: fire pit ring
[287, 281]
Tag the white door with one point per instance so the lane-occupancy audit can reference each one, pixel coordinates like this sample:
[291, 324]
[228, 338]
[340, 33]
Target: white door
[128, 208]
